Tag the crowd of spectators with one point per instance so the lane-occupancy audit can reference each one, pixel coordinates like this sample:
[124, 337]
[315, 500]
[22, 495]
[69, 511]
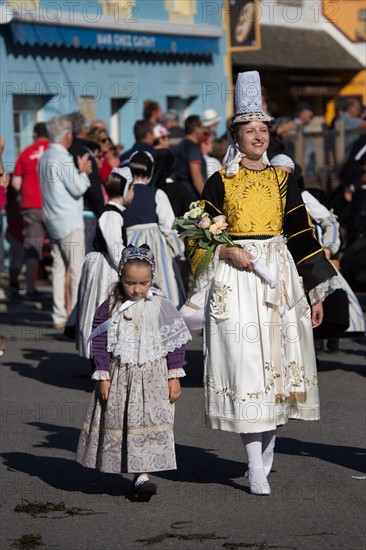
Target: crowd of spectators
[80, 155]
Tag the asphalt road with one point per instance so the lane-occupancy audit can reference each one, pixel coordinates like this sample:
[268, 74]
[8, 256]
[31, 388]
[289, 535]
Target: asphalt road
[48, 501]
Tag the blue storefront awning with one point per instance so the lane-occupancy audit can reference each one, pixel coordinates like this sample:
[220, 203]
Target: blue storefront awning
[28, 34]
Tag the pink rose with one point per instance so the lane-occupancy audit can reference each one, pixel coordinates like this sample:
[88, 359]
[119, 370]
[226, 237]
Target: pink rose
[220, 221]
[205, 222]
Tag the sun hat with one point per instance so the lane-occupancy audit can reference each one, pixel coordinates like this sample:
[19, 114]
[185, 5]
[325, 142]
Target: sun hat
[210, 117]
[160, 131]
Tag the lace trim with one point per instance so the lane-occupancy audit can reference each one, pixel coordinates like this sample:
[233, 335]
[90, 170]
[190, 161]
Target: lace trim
[146, 430]
[101, 375]
[324, 289]
[176, 373]
[151, 330]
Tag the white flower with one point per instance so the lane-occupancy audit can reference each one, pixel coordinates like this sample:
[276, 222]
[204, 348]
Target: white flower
[194, 205]
[195, 213]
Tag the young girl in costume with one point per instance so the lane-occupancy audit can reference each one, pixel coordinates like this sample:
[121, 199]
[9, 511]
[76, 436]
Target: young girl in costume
[150, 221]
[138, 346]
[100, 270]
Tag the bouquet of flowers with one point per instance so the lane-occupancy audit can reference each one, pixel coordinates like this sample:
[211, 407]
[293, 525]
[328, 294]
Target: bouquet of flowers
[206, 232]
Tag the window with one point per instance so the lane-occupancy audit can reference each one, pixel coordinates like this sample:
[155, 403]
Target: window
[180, 105]
[27, 110]
[117, 105]
[87, 104]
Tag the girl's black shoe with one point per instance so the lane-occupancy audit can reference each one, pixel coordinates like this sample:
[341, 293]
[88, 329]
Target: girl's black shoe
[144, 491]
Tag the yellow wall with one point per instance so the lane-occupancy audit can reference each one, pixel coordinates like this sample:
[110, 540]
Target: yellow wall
[356, 87]
[345, 15]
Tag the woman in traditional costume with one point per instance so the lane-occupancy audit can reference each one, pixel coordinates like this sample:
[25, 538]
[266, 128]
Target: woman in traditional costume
[260, 365]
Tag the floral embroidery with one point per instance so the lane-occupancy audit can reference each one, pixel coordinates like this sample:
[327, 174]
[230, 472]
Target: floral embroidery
[255, 205]
[237, 398]
[219, 300]
[270, 384]
[210, 384]
[295, 374]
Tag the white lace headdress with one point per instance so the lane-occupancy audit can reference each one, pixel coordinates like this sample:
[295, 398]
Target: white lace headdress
[248, 108]
[126, 174]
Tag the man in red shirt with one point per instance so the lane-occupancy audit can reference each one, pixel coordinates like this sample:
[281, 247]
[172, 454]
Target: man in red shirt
[25, 180]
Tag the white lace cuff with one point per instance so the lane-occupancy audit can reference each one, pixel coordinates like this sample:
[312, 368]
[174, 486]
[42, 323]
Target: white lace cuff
[101, 375]
[176, 373]
[325, 288]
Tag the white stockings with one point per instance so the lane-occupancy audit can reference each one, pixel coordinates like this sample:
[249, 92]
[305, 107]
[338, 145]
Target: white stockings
[268, 444]
[260, 449]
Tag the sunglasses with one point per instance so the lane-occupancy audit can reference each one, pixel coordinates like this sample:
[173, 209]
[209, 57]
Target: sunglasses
[104, 140]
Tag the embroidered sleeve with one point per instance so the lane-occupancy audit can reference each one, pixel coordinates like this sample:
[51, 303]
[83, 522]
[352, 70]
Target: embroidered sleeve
[307, 252]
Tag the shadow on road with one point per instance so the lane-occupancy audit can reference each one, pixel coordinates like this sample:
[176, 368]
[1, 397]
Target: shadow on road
[349, 457]
[196, 465]
[324, 366]
[67, 475]
[63, 370]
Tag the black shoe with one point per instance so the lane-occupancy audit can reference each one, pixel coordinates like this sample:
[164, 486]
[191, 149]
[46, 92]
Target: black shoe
[144, 491]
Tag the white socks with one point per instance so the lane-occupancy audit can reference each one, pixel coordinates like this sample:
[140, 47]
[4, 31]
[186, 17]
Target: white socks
[259, 448]
[268, 444]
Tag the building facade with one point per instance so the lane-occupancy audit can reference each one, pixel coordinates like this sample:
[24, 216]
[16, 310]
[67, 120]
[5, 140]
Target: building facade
[105, 58]
[305, 50]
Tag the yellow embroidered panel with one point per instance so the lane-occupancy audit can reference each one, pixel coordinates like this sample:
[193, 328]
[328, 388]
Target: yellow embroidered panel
[255, 202]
